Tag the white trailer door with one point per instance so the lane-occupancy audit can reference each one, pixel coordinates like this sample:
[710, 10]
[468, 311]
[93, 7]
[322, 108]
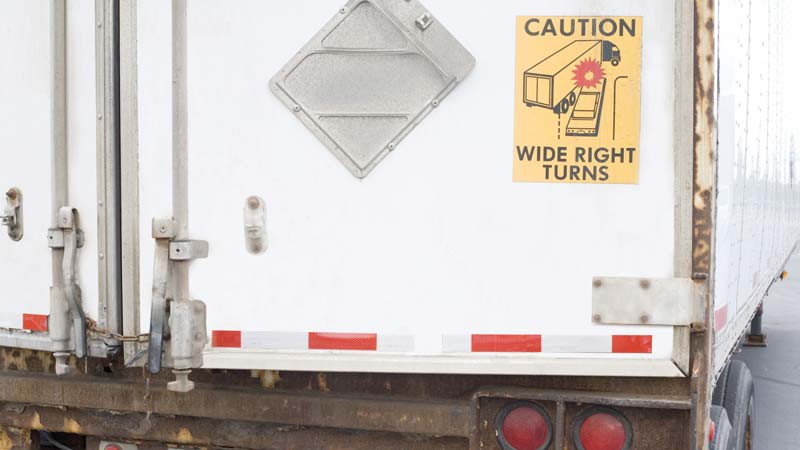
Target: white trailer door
[436, 261]
[28, 117]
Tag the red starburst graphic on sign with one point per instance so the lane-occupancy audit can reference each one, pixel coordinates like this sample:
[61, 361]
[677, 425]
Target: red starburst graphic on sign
[588, 73]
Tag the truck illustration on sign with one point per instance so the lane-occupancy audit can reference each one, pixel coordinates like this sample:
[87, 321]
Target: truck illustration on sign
[552, 82]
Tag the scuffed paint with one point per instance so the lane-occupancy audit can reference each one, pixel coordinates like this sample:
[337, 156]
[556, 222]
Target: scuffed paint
[268, 378]
[5, 441]
[322, 382]
[184, 436]
[71, 426]
[36, 422]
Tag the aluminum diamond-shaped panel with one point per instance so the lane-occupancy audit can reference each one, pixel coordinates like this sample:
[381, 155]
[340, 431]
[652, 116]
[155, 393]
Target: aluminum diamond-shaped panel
[370, 76]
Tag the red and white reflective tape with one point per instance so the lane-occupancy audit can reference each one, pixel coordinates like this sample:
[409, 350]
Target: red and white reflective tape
[34, 322]
[536, 343]
[267, 340]
[475, 343]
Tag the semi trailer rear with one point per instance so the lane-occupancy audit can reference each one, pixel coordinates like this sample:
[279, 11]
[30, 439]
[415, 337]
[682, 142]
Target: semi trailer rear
[215, 247]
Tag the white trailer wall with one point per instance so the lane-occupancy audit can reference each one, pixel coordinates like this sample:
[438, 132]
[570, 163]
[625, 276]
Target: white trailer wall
[437, 241]
[25, 146]
[758, 215]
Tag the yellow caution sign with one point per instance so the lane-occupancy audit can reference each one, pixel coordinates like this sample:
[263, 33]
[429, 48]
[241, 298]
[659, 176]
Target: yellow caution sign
[578, 100]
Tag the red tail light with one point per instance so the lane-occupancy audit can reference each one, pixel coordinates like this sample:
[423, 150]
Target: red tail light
[602, 429]
[523, 426]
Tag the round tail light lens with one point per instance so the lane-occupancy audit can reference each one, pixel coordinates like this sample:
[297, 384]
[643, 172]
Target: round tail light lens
[523, 426]
[602, 429]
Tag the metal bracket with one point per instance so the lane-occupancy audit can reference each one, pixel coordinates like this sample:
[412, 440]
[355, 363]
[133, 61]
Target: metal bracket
[55, 238]
[163, 231]
[645, 301]
[12, 214]
[67, 319]
[188, 250]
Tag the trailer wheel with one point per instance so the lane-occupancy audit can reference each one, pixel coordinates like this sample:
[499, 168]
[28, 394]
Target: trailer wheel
[572, 98]
[739, 402]
[718, 397]
[722, 429]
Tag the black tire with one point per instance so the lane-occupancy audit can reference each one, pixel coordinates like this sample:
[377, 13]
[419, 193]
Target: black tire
[739, 402]
[572, 98]
[722, 429]
[718, 397]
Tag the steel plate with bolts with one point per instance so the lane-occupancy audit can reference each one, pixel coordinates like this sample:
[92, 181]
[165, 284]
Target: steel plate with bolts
[370, 76]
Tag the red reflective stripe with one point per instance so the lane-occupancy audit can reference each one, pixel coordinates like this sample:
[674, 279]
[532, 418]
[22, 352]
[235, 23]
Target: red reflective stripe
[720, 318]
[226, 339]
[342, 341]
[631, 344]
[34, 322]
[496, 343]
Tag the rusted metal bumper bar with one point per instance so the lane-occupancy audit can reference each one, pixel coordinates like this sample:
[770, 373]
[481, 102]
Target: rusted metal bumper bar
[439, 417]
[266, 419]
[200, 432]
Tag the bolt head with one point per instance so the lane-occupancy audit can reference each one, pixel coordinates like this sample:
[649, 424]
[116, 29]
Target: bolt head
[644, 318]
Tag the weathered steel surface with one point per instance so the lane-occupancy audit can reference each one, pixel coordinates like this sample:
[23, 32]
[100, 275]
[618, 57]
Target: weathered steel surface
[595, 398]
[704, 176]
[13, 438]
[435, 417]
[191, 431]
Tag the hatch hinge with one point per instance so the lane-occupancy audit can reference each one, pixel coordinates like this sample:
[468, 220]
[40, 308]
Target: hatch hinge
[67, 322]
[177, 328]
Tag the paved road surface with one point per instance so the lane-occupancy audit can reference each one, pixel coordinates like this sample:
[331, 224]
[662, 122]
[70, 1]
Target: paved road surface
[776, 368]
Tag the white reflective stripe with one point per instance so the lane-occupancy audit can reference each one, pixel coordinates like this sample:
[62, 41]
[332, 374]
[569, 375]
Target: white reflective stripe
[11, 320]
[274, 340]
[456, 343]
[394, 343]
[576, 344]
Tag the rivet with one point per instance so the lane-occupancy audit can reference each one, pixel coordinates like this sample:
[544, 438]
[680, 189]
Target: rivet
[391, 146]
[435, 103]
[343, 10]
[99, 117]
[253, 202]
[644, 318]
[102, 255]
[644, 284]
[596, 318]
[296, 108]
[163, 229]
[100, 203]
[597, 283]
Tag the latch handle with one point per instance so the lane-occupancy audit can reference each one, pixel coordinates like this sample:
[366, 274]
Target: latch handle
[163, 232]
[68, 222]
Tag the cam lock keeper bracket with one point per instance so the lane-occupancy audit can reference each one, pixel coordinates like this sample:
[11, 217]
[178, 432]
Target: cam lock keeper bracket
[167, 249]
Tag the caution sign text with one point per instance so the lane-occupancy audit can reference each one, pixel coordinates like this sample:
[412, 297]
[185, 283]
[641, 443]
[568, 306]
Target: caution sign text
[578, 100]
